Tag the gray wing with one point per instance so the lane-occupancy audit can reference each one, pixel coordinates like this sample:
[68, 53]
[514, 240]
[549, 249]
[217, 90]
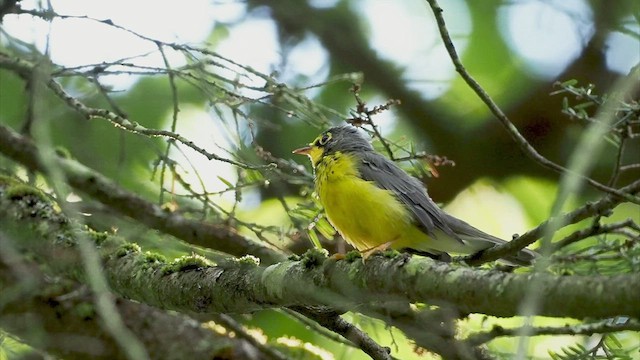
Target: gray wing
[387, 175]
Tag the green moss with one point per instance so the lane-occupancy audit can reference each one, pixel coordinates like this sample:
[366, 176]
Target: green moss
[99, 237]
[19, 191]
[294, 257]
[314, 257]
[151, 257]
[249, 260]
[352, 256]
[185, 263]
[127, 249]
[8, 181]
[390, 253]
[111, 242]
[245, 261]
[151, 260]
[64, 238]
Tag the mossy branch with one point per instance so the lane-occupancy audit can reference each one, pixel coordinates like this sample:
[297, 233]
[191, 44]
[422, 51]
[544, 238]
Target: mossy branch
[191, 284]
[76, 330]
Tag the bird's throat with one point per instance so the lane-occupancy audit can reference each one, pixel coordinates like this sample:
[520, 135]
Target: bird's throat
[315, 154]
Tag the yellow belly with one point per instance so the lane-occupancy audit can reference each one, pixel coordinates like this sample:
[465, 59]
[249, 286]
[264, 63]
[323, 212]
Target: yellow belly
[365, 215]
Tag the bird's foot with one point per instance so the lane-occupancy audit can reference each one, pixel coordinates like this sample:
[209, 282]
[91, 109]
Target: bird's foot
[368, 252]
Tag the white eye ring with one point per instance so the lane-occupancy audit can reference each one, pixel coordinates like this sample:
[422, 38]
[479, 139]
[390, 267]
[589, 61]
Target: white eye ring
[324, 139]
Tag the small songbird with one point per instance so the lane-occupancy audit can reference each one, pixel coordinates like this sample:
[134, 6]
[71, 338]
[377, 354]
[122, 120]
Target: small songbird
[375, 205]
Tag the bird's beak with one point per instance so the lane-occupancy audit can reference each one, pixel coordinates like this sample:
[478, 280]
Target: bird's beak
[303, 150]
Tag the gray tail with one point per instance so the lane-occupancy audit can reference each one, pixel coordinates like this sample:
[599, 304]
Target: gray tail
[477, 240]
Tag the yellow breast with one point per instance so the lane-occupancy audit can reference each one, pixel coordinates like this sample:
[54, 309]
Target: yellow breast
[365, 215]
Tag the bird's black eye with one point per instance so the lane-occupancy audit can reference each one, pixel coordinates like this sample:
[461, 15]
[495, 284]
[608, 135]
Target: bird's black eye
[324, 139]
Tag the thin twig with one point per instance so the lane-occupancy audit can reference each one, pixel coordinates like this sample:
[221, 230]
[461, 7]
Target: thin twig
[363, 115]
[335, 323]
[319, 328]
[597, 229]
[232, 325]
[174, 118]
[605, 326]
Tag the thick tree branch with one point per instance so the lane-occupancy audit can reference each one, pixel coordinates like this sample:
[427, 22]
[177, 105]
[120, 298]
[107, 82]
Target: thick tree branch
[74, 330]
[313, 280]
[193, 285]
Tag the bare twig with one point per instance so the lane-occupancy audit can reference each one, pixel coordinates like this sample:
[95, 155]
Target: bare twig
[239, 330]
[597, 229]
[363, 116]
[174, 117]
[359, 338]
[604, 326]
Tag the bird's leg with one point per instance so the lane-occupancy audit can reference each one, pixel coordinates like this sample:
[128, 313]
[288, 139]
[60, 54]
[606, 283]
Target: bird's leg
[370, 251]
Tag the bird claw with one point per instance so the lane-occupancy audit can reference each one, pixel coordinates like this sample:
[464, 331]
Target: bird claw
[368, 252]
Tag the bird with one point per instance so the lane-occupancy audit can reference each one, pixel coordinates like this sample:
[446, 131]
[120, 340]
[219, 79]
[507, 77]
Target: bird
[375, 205]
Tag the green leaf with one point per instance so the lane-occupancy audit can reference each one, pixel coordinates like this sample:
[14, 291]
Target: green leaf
[226, 182]
[325, 228]
[570, 82]
[314, 238]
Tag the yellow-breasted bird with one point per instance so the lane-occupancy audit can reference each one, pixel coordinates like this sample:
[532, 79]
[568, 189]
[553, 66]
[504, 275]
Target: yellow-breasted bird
[376, 205]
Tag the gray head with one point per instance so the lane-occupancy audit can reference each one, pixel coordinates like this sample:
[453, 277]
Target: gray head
[344, 139]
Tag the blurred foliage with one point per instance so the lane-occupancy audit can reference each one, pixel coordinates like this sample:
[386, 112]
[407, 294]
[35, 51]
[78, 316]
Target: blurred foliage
[10, 348]
[607, 347]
